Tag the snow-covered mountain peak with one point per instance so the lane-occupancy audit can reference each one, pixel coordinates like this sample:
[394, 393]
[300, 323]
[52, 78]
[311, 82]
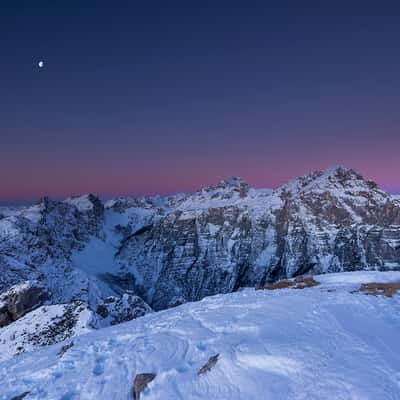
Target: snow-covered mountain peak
[9, 211]
[336, 180]
[341, 170]
[84, 203]
[226, 193]
[339, 177]
[233, 181]
[227, 188]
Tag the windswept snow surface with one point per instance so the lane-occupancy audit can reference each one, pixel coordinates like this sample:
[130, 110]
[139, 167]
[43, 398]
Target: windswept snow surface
[321, 343]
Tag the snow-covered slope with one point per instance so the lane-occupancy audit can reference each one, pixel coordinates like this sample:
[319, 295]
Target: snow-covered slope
[8, 211]
[324, 342]
[44, 326]
[174, 249]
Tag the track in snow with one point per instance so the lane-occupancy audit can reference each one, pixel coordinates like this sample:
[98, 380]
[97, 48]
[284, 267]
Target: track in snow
[317, 343]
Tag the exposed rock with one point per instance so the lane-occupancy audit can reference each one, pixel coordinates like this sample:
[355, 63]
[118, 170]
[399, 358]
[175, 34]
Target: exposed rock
[216, 240]
[65, 348]
[19, 300]
[301, 282]
[380, 289]
[140, 383]
[116, 310]
[209, 365]
[20, 396]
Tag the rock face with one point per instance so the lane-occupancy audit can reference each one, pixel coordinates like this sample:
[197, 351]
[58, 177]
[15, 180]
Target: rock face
[230, 236]
[169, 250]
[115, 310]
[19, 300]
[37, 266]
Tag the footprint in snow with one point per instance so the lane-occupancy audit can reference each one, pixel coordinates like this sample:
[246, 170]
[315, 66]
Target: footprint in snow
[201, 347]
[182, 369]
[57, 374]
[99, 366]
[69, 395]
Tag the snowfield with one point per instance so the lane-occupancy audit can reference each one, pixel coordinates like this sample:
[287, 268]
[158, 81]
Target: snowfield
[324, 342]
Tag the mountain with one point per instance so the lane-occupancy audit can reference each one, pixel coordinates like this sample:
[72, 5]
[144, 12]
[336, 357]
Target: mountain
[126, 257]
[328, 341]
[229, 236]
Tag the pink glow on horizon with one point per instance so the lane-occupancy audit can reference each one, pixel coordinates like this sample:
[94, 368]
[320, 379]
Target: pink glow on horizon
[108, 183]
[185, 165]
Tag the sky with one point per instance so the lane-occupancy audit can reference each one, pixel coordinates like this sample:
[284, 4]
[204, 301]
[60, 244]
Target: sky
[162, 97]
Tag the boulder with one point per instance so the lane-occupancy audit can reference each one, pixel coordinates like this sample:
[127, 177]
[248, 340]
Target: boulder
[140, 383]
[209, 365]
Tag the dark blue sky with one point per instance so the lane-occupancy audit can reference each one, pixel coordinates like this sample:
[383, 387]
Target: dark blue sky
[152, 97]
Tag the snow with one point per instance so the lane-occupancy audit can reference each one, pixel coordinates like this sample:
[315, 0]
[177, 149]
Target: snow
[82, 203]
[9, 211]
[285, 344]
[33, 213]
[96, 258]
[7, 228]
[358, 277]
[229, 192]
[334, 180]
[134, 216]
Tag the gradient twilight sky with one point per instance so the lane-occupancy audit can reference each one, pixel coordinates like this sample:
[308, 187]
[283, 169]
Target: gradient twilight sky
[167, 96]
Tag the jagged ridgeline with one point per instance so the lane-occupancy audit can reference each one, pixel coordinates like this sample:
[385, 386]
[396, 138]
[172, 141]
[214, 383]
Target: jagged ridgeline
[169, 250]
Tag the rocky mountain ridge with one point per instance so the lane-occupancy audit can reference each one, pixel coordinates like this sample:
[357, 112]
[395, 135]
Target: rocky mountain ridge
[174, 249]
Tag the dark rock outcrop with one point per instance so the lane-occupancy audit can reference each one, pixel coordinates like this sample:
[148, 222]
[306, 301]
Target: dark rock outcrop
[20, 396]
[116, 310]
[65, 348]
[209, 365]
[19, 300]
[140, 383]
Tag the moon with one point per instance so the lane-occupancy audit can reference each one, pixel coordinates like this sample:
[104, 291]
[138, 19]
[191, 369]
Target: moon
[41, 64]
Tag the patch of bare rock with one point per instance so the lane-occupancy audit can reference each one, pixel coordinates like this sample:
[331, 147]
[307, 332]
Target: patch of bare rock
[301, 282]
[209, 365]
[380, 289]
[140, 383]
[20, 299]
[142, 380]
